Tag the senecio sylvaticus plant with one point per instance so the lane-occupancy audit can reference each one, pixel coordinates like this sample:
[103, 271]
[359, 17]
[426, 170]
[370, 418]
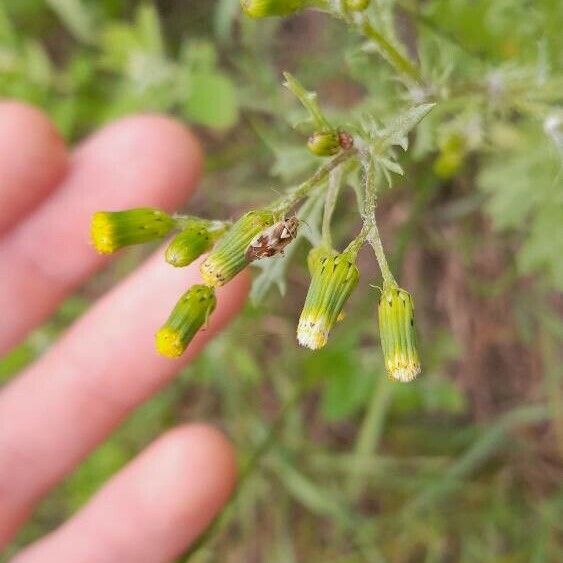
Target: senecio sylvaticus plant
[367, 149]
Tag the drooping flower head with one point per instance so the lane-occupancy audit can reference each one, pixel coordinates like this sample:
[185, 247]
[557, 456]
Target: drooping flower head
[112, 230]
[398, 333]
[188, 316]
[197, 237]
[334, 277]
[228, 258]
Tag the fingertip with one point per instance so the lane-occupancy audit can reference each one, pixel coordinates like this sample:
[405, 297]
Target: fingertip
[168, 160]
[206, 447]
[33, 159]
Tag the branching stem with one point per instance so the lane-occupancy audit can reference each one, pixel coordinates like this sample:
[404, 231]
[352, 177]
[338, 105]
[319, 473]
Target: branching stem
[293, 196]
[370, 232]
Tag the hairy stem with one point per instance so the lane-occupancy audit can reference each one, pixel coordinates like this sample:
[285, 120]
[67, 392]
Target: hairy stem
[334, 184]
[293, 196]
[401, 64]
[309, 101]
[370, 230]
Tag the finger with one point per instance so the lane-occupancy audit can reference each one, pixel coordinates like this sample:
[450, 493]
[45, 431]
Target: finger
[33, 160]
[153, 509]
[53, 414]
[141, 161]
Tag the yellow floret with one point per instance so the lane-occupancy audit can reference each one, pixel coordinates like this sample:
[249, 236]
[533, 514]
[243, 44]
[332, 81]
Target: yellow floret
[102, 232]
[169, 342]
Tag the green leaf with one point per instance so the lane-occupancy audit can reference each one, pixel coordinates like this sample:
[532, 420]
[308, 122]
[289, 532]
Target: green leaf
[212, 100]
[76, 17]
[395, 133]
[148, 30]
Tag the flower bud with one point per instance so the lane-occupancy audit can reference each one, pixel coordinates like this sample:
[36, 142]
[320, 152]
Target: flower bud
[228, 257]
[197, 238]
[266, 8]
[357, 5]
[189, 315]
[334, 277]
[325, 143]
[112, 230]
[398, 334]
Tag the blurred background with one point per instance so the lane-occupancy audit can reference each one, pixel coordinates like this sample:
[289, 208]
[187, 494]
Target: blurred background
[337, 463]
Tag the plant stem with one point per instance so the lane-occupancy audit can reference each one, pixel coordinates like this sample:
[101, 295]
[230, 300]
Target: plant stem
[370, 433]
[293, 196]
[253, 463]
[309, 101]
[334, 184]
[370, 224]
[399, 62]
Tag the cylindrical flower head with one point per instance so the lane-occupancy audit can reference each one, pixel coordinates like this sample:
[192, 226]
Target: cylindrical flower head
[398, 334]
[325, 143]
[189, 315]
[334, 277]
[228, 258]
[267, 8]
[197, 238]
[112, 230]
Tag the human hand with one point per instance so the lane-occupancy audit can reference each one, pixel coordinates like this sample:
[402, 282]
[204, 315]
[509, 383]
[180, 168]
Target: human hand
[55, 412]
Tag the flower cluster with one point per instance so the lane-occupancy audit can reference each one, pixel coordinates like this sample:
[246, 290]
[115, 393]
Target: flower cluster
[266, 232]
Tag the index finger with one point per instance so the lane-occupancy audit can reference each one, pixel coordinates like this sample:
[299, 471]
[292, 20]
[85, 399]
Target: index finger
[33, 160]
[140, 161]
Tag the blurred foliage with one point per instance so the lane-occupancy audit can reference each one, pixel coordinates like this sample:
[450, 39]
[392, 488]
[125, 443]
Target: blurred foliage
[337, 463]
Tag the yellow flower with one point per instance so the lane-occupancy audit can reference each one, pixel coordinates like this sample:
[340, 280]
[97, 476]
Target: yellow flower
[188, 316]
[334, 277]
[398, 333]
[112, 230]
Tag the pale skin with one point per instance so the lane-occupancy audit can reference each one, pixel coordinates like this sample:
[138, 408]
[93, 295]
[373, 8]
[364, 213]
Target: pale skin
[60, 408]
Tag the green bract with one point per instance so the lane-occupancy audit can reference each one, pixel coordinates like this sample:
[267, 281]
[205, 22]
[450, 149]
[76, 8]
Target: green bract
[228, 257]
[188, 316]
[324, 143]
[334, 277]
[197, 238]
[398, 333]
[112, 230]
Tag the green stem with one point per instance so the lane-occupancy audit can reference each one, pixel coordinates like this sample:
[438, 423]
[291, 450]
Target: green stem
[214, 226]
[334, 184]
[254, 462]
[286, 202]
[309, 101]
[370, 434]
[370, 224]
[390, 52]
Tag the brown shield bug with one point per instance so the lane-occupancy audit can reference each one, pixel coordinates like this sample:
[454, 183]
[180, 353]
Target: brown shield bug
[273, 240]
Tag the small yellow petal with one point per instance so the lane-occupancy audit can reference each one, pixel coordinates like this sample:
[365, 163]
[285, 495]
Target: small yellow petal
[169, 342]
[102, 233]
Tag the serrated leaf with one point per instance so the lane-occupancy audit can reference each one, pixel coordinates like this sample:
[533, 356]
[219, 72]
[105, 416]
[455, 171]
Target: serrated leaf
[391, 165]
[396, 132]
